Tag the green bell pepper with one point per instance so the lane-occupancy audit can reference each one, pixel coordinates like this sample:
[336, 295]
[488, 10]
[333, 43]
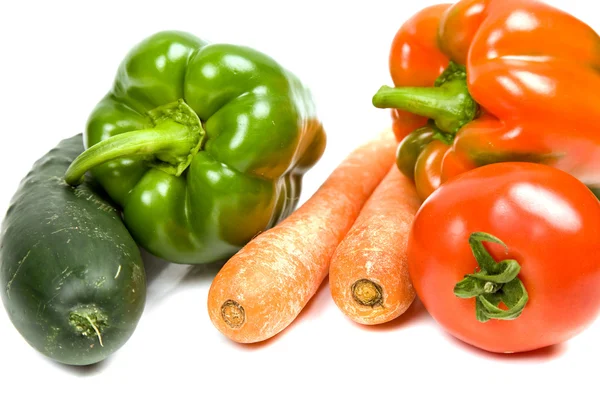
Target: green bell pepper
[203, 146]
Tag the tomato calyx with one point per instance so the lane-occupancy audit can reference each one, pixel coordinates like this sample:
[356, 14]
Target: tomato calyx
[494, 283]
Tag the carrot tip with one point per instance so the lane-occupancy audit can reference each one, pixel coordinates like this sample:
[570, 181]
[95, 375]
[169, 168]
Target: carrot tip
[233, 314]
[367, 293]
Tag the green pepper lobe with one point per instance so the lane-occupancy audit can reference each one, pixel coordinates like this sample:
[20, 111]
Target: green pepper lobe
[214, 141]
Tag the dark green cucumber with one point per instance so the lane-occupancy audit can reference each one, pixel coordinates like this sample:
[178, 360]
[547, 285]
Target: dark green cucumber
[71, 276]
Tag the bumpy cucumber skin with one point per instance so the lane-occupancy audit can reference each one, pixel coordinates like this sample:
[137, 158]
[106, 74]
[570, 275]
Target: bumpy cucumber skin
[64, 255]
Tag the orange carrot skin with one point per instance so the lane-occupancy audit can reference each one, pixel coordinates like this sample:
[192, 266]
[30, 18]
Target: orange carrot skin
[263, 288]
[374, 251]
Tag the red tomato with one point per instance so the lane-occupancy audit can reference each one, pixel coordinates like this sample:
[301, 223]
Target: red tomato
[550, 224]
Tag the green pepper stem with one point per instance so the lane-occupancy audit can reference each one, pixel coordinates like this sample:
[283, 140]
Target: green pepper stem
[172, 142]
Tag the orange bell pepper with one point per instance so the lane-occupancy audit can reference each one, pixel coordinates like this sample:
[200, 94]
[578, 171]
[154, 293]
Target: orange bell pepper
[494, 80]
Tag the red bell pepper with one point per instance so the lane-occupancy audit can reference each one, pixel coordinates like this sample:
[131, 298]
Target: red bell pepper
[490, 81]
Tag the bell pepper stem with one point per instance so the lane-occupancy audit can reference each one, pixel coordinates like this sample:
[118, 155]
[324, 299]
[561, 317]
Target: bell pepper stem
[176, 136]
[448, 103]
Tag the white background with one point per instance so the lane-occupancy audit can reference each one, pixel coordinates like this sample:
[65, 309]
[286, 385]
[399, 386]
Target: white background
[57, 59]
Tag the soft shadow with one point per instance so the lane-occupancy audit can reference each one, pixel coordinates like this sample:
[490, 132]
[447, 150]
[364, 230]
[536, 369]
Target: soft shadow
[313, 309]
[203, 272]
[164, 278]
[152, 265]
[416, 312]
[82, 370]
[257, 345]
[545, 354]
[155, 267]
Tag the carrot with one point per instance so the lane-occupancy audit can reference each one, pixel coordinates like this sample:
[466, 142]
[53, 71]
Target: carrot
[262, 288]
[368, 273]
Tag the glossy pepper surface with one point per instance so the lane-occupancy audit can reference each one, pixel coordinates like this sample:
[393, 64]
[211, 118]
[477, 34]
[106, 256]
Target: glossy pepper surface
[485, 81]
[202, 145]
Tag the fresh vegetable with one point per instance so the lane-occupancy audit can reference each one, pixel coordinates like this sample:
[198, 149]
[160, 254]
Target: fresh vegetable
[498, 80]
[202, 145]
[505, 257]
[368, 273]
[262, 289]
[422, 65]
[72, 277]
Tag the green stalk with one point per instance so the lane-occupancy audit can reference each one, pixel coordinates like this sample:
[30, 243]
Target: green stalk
[448, 103]
[172, 142]
[494, 283]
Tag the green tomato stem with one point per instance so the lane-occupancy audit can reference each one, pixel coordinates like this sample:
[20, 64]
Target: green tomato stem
[494, 283]
[177, 135]
[449, 103]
